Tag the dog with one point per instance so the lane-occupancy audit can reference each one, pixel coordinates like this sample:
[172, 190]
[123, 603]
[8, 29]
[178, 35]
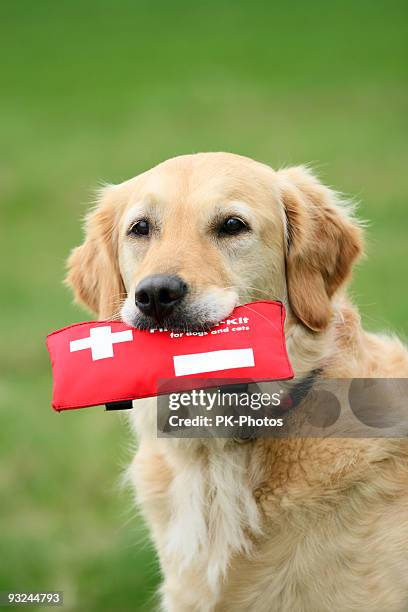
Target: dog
[273, 525]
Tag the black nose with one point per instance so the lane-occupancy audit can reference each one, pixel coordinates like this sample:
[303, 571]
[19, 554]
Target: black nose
[157, 295]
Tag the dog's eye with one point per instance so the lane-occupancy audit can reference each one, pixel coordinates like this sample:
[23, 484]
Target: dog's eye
[233, 226]
[141, 228]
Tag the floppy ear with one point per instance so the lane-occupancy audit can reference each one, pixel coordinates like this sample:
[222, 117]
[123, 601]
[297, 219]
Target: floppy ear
[322, 243]
[93, 268]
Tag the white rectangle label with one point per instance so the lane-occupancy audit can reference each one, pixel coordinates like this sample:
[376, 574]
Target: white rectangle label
[213, 361]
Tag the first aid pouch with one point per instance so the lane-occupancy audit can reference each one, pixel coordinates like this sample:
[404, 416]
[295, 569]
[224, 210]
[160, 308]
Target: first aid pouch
[108, 362]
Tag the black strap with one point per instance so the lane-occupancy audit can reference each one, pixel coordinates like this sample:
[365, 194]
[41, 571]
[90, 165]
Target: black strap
[126, 405]
[300, 390]
[291, 400]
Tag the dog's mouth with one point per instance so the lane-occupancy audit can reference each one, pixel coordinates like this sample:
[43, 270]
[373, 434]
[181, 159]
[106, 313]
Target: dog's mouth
[194, 316]
[182, 321]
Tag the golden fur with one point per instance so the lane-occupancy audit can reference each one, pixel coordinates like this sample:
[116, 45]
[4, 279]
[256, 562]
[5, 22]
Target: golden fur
[289, 525]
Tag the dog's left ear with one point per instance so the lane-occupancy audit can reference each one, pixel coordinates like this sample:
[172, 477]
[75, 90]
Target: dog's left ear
[93, 268]
[323, 241]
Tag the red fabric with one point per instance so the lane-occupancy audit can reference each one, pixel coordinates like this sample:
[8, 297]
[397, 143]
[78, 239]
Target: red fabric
[141, 359]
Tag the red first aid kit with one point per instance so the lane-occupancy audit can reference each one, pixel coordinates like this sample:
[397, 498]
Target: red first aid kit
[102, 362]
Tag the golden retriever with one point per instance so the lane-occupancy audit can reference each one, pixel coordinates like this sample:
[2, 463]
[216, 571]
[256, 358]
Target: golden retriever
[274, 525]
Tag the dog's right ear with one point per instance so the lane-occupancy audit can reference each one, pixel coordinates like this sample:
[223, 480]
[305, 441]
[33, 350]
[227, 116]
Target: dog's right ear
[93, 269]
[323, 241]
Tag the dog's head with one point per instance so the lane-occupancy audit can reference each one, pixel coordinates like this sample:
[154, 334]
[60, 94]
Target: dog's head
[182, 244]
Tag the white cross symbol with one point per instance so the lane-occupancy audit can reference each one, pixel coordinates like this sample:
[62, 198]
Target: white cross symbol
[101, 341]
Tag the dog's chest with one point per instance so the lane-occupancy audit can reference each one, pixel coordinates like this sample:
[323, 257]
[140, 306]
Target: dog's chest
[202, 510]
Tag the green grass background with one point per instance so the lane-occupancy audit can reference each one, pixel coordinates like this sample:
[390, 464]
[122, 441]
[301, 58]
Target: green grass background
[95, 91]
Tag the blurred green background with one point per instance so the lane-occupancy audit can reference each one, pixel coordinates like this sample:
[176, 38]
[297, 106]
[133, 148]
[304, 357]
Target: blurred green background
[95, 91]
